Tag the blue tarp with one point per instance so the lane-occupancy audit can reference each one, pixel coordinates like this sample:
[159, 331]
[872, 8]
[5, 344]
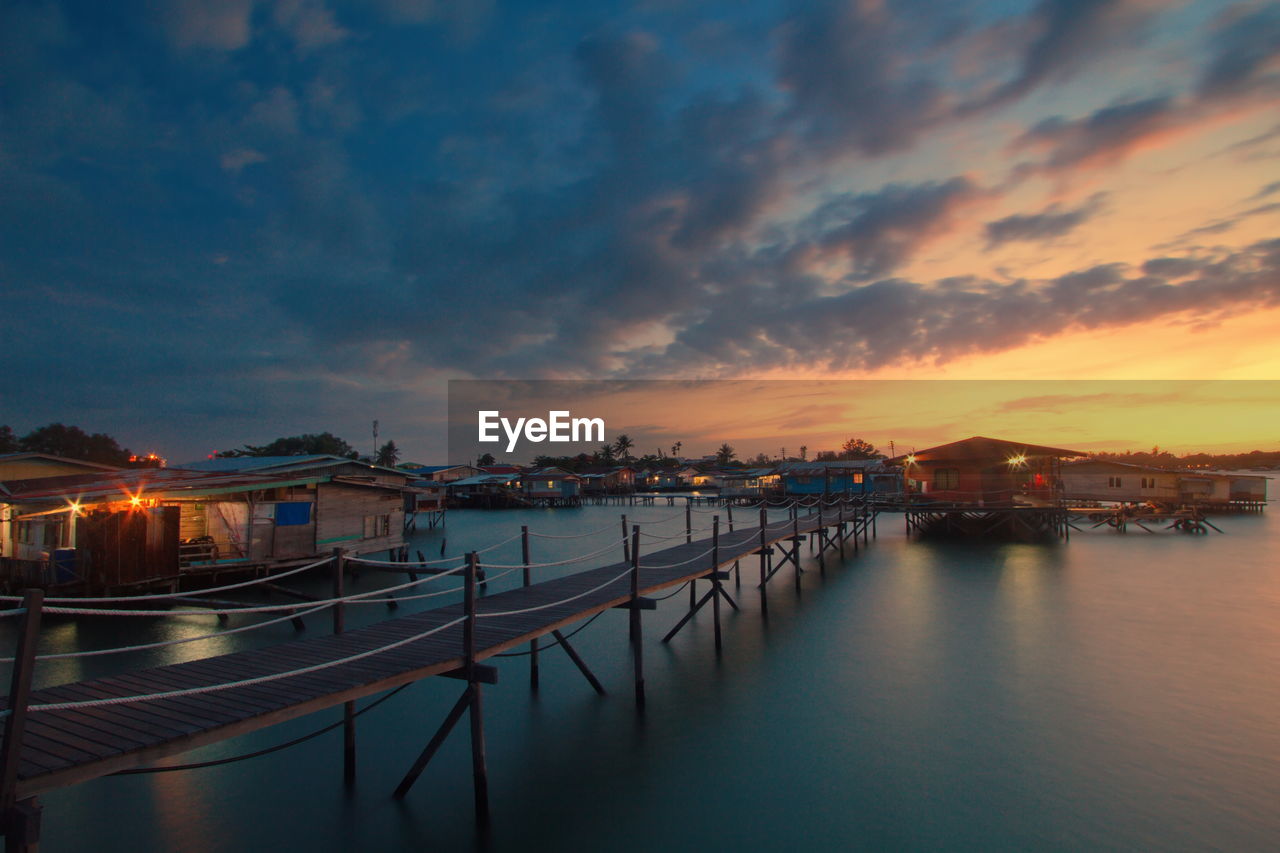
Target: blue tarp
[293, 514]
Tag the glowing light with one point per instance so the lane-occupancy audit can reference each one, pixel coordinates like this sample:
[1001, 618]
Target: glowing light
[1020, 459]
[75, 507]
[911, 459]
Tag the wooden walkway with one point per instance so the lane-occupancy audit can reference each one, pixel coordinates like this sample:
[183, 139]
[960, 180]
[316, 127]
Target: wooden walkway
[65, 747]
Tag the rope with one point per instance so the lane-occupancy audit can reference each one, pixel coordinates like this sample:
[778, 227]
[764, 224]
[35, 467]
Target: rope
[17, 611]
[261, 752]
[266, 608]
[145, 646]
[682, 563]
[245, 682]
[579, 559]
[551, 645]
[168, 595]
[668, 595]
[575, 535]
[501, 613]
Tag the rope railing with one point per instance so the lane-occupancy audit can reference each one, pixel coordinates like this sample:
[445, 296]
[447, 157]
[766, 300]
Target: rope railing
[265, 608]
[501, 613]
[17, 611]
[571, 560]
[142, 647]
[244, 682]
[164, 596]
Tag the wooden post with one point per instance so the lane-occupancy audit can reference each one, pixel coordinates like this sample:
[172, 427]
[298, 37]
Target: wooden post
[637, 646]
[626, 551]
[715, 575]
[15, 723]
[795, 543]
[822, 539]
[737, 567]
[764, 558]
[479, 767]
[348, 708]
[533, 644]
[688, 538]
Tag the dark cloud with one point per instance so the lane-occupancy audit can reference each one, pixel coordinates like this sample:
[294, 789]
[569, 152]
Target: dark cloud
[1049, 223]
[878, 232]
[891, 321]
[847, 69]
[1245, 51]
[1105, 136]
[1266, 190]
[1064, 35]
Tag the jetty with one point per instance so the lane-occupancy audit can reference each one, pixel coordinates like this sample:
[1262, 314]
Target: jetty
[58, 736]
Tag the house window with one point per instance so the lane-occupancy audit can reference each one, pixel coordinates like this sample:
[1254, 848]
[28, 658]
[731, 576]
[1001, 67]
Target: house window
[1114, 482]
[377, 525]
[1148, 482]
[857, 478]
[946, 478]
[550, 483]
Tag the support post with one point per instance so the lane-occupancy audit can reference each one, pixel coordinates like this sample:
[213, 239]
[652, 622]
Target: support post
[764, 560]
[637, 646]
[688, 538]
[348, 708]
[479, 767]
[15, 723]
[715, 576]
[626, 550]
[533, 644]
[795, 543]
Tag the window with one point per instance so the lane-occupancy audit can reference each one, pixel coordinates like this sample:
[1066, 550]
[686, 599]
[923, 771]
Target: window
[377, 525]
[946, 478]
[1148, 482]
[1114, 482]
[857, 478]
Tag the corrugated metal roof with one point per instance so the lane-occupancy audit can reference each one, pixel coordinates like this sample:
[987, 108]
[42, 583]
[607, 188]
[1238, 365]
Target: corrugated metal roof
[150, 482]
[275, 463]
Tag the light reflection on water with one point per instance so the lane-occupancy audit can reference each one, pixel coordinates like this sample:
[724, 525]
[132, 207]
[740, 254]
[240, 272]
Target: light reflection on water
[1113, 692]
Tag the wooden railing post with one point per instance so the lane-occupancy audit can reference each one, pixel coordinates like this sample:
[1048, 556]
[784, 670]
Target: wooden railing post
[688, 538]
[764, 557]
[15, 722]
[626, 551]
[479, 768]
[636, 644]
[533, 644]
[715, 575]
[795, 540]
[348, 708]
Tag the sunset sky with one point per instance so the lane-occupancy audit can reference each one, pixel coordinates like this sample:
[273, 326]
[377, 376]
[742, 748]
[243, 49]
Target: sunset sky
[229, 220]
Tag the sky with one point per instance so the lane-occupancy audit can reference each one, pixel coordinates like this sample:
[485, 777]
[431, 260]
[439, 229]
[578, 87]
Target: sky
[225, 221]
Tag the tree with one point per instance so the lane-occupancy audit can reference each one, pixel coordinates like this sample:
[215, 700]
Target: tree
[604, 455]
[75, 443]
[622, 446]
[675, 448]
[308, 444]
[8, 441]
[725, 454]
[487, 460]
[856, 448]
[388, 455]
[804, 452]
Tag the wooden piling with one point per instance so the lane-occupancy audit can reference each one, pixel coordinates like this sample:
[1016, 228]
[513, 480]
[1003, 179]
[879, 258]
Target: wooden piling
[528, 580]
[715, 576]
[637, 647]
[348, 708]
[15, 723]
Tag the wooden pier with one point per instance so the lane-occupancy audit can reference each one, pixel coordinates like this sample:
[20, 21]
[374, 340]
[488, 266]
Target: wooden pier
[59, 736]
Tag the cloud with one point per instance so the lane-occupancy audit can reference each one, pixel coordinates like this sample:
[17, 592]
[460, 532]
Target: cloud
[1049, 223]
[878, 232]
[1245, 53]
[234, 161]
[308, 23]
[846, 69]
[213, 24]
[1064, 36]
[1102, 138]
[1266, 190]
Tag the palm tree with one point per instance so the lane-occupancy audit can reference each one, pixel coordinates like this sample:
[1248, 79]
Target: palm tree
[388, 455]
[675, 448]
[605, 454]
[623, 444]
[725, 454]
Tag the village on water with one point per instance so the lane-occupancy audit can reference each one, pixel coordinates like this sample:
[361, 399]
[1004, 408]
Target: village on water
[85, 527]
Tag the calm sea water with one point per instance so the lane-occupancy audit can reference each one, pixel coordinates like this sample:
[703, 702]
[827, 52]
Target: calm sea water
[1114, 692]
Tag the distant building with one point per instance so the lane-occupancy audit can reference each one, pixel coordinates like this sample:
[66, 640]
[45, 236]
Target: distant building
[611, 481]
[441, 473]
[839, 477]
[1126, 482]
[554, 484]
[986, 471]
[750, 483]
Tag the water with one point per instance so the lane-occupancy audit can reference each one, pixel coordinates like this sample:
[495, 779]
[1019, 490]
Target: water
[1116, 692]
